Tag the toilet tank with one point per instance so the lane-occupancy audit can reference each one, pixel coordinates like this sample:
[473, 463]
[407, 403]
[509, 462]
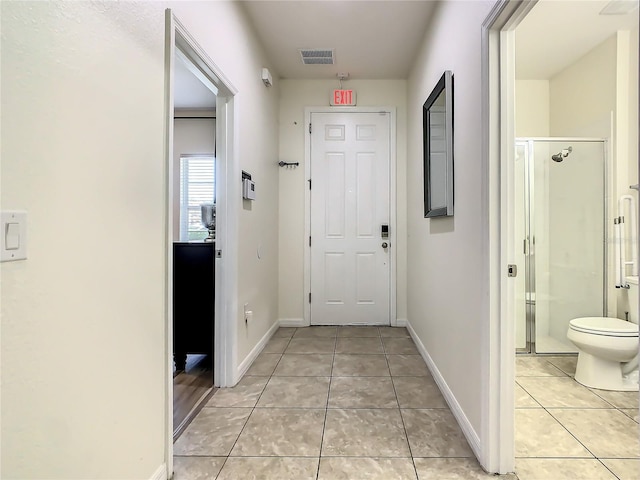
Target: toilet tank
[634, 298]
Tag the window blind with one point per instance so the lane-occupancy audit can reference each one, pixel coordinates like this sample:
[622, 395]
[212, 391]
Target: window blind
[197, 186]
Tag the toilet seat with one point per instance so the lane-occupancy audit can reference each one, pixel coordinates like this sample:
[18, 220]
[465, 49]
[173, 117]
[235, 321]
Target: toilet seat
[606, 326]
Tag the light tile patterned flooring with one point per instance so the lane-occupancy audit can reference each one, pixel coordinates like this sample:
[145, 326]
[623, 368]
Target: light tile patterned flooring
[350, 403]
[358, 403]
[567, 431]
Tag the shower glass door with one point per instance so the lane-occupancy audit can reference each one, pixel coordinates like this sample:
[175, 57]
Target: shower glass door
[564, 238]
[521, 227]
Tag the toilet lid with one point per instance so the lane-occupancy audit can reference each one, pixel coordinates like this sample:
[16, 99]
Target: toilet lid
[605, 326]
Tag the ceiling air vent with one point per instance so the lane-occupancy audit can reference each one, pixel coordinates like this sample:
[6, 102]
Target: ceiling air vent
[317, 56]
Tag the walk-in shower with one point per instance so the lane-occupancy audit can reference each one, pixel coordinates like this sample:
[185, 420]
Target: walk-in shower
[560, 239]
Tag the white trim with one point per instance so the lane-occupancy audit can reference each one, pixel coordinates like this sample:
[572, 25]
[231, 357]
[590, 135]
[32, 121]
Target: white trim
[393, 216]
[307, 217]
[465, 425]
[393, 202]
[227, 220]
[253, 354]
[401, 322]
[293, 322]
[160, 473]
[227, 216]
[498, 340]
[168, 250]
[561, 139]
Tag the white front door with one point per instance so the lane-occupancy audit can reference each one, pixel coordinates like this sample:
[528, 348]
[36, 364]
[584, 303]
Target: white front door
[350, 264]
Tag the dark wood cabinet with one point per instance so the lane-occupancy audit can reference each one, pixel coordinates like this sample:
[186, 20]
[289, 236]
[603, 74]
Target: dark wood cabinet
[193, 300]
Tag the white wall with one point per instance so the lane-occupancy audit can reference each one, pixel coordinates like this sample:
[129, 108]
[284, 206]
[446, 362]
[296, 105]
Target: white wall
[87, 308]
[632, 100]
[583, 95]
[532, 108]
[596, 96]
[445, 277]
[190, 136]
[83, 320]
[295, 96]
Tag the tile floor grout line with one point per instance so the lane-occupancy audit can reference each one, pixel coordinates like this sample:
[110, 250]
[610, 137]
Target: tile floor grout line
[573, 380]
[564, 457]
[404, 426]
[587, 456]
[253, 409]
[572, 377]
[532, 397]
[567, 407]
[605, 466]
[596, 393]
[326, 410]
[570, 433]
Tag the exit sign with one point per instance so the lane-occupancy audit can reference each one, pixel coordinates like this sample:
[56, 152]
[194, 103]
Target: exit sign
[343, 97]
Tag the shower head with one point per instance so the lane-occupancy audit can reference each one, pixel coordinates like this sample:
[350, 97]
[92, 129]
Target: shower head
[558, 157]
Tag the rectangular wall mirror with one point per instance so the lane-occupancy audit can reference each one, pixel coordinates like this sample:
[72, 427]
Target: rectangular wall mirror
[438, 149]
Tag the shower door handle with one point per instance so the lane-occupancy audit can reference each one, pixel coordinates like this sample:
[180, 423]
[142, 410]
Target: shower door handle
[524, 246]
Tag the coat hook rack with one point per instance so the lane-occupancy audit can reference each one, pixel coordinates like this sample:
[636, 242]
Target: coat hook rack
[288, 164]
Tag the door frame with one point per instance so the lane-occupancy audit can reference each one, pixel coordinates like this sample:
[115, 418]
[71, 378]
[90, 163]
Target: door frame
[227, 215]
[308, 111]
[498, 132]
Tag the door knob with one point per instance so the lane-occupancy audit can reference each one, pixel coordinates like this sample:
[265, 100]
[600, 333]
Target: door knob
[385, 244]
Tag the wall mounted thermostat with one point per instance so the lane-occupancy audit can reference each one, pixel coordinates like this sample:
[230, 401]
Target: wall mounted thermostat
[248, 189]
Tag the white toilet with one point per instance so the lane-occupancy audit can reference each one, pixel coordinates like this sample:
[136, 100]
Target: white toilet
[608, 348]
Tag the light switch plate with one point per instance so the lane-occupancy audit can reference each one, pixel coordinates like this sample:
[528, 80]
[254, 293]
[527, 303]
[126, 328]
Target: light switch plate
[13, 235]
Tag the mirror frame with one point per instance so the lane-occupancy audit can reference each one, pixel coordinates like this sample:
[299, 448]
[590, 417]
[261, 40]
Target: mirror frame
[431, 208]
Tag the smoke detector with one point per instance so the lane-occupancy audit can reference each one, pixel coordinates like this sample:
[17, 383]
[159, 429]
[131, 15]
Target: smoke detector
[317, 56]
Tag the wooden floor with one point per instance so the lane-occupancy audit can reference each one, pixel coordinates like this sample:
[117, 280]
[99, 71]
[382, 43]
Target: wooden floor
[191, 387]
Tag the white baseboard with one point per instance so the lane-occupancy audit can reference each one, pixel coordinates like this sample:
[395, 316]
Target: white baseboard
[160, 473]
[465, 425]
[248, 361]
[401, 322]
[292, 322]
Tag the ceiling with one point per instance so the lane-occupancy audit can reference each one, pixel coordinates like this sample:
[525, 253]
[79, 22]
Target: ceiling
[372, 39]
[368, 45]
[557, 33]
[189, 92]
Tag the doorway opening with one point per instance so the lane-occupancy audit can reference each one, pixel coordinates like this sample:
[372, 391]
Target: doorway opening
[513, 96]
[193, 239]
[201, 252]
